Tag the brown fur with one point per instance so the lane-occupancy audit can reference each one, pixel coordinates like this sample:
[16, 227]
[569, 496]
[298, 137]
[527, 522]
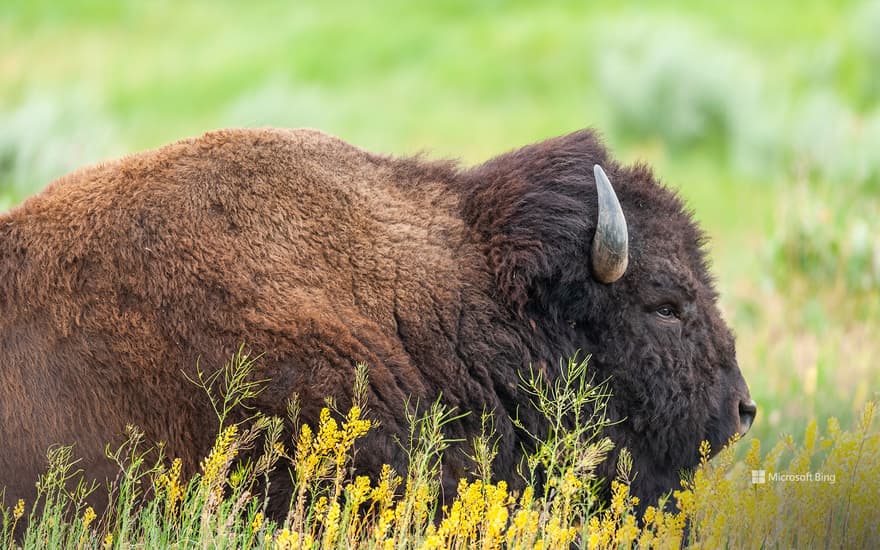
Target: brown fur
[119, 277]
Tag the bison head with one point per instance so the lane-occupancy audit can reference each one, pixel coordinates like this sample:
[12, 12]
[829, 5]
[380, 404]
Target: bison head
[619, 272]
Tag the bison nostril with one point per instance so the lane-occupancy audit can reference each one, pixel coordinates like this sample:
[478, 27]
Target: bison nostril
[747, 411]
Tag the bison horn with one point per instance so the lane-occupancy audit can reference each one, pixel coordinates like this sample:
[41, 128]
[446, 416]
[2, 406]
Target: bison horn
[610, 254]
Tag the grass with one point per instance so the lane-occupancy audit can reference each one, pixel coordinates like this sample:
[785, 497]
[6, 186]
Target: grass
[765, 117]
[723, 503]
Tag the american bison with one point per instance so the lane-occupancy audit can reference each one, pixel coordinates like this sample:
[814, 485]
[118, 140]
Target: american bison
[319, 255]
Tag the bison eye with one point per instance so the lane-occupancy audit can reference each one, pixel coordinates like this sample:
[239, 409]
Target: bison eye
[667, 312]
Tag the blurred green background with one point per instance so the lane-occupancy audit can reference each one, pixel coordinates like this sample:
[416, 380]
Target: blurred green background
[766, 116]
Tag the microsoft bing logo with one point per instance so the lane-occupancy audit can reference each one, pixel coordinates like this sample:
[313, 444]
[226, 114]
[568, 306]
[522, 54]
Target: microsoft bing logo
[759, 476]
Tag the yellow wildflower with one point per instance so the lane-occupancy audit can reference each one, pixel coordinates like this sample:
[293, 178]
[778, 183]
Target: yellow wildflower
[304, 443]
[383, 493]
[386, 518]
[320, 506]
[223, 451]
[88, 517]
[331, 526]
[570, 484]
[358, 492]
[257, 522]
[753, 457]
[628, 532]
[169, 483]
[328, 434]
[705, 450]
[287, 540]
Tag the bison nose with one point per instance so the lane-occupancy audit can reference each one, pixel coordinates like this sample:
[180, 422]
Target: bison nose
[747, 411]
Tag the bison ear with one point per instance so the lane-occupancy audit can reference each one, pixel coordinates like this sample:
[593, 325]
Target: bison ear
[517, 264]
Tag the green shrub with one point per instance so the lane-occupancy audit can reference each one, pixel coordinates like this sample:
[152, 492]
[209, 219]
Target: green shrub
[665, 78]
[827, 241]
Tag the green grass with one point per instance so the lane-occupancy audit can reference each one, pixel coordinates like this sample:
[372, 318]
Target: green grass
[760, 113]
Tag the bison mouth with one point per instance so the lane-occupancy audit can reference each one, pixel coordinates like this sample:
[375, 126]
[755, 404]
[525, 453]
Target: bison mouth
[723, 431]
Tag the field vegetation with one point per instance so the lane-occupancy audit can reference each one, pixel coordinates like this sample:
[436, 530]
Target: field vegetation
[765, 117]
[225, 504]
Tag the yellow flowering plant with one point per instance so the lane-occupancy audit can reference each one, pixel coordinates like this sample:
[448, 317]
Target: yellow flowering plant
[819, 492]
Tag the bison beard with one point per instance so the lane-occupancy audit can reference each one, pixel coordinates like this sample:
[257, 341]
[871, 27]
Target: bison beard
[120, 277]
